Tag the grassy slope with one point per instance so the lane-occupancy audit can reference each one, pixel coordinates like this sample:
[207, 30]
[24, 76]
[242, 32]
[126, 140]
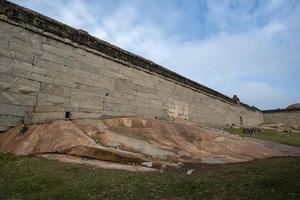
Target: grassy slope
[272, 135]
[36, 178]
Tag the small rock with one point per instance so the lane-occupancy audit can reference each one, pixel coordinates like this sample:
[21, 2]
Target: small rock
[190, 171]
[147, 164]
[220, 139]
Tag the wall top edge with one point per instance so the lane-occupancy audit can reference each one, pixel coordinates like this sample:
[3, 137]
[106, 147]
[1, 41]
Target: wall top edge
[282, 110]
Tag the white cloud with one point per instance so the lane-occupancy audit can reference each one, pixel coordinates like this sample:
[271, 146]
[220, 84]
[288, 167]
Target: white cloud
[260, 93]
[124, 29]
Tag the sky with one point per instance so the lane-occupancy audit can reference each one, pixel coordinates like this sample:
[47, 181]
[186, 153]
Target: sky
[250, 48]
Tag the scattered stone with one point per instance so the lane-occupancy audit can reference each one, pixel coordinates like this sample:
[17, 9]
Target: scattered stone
[147, 164]
[189, 172]
[220, 139]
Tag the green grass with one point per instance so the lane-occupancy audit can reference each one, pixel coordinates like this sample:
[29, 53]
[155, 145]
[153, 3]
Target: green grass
[37, 178]
[271, 135]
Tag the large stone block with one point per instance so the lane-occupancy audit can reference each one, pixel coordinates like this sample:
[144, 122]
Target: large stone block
[86, 115]
[52, 103]
[3, 43]
[8, 120]
[63, 79]
[42, 117]
[63, 51]
[14, 84]
[25, 38]
[15, 55]
[55, 58]
[83, 94]
[7, 69]
[18, 99]
[55, 90]
[7, 109]
[29, 68]
[92, 89]
[126, 85]
[111, 113]
[111, 106]
[32, 76]
[84, 73]
[86, 104]
[97, 83]
[84, 68]
[64, 82]
[51, 65]
[32, 50]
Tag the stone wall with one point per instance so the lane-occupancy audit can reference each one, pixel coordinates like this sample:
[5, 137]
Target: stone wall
[291, 116]
[44, 76]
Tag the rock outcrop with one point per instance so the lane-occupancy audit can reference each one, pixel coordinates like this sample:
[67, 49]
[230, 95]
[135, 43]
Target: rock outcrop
[294, 106]
[134, 141]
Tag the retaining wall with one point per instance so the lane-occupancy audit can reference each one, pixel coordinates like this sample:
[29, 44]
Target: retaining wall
[288, 116]
[50, 71]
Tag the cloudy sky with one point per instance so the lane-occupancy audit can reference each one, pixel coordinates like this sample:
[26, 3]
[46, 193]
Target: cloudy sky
[246, 47]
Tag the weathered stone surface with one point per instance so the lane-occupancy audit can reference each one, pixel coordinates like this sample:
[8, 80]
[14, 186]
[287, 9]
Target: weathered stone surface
[86, 104]
[137, 141]
[14, 84]
[289, 117]
[5, 69]
[86, 115]
[15, 110]
[52, 74]
[63, 51]
[28, 50]
[29, 68]
[10, 120]
[3, 43]
[55, 90]
[15, 55]
[51, 65]
[50, 102]
[18, 99]
[37, 117]
[32, 76]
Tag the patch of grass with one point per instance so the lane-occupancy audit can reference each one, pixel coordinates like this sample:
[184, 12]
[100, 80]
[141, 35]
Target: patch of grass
[271, 135]
[37, 178]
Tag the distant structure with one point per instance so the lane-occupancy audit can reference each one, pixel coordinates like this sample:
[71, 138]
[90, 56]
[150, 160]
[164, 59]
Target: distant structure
[236, 100]
[290, 115]
[51, 71]
[294, 106]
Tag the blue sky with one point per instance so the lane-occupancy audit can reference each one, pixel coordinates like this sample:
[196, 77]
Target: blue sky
[246, 47]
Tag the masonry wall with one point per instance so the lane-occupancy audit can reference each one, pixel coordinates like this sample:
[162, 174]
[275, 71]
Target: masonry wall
[43, 76]
[289, 117]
